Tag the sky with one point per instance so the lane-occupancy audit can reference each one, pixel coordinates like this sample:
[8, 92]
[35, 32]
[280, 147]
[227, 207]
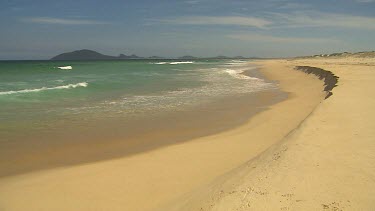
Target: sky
[41, 29]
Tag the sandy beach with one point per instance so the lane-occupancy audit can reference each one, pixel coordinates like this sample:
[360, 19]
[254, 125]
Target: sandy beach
[189, 105]
[302, 153]
[326, 163]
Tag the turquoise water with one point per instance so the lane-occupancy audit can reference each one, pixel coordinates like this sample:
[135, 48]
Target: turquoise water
[39, 96]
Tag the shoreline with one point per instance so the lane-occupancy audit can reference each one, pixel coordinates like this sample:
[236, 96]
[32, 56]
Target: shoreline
[160, 176]
[326, 163]
[169, 129]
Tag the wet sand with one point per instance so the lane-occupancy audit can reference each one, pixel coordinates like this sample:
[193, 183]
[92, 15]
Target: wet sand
[131, 136]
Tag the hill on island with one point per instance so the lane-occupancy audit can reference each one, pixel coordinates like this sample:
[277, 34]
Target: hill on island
[188, 57]
[91, 55]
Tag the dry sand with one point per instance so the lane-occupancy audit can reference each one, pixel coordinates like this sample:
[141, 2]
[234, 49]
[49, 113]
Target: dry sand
[326, 163]
[171, 176]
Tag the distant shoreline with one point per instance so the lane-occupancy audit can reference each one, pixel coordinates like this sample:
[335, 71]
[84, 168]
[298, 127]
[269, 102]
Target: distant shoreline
[367, 54]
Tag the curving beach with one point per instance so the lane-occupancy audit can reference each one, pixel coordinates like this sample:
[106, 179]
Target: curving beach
[325, 163]
[189, 105]
[303, 153]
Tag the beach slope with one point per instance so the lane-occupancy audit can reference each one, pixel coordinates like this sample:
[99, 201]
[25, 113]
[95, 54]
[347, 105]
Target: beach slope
[326, 163]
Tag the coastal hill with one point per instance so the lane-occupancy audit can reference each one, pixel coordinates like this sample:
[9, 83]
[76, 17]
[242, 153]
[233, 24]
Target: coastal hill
[91, 55]
[86, 54]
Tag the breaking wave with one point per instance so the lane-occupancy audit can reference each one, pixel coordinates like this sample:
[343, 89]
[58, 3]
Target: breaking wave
[65, 67]
[187, 62]
[239, 74]
[69, 86]
[174, 63]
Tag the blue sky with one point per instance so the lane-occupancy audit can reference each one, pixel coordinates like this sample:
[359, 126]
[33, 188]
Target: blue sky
[268, 28]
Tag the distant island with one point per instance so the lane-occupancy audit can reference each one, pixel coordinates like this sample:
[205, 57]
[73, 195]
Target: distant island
[91, 55]
[86, 54]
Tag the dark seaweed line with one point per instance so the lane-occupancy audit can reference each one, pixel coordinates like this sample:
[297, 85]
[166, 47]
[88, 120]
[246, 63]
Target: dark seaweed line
[330, 80]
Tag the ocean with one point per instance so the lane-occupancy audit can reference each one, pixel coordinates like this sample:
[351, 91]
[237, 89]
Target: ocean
[82, 106]
[40, 96]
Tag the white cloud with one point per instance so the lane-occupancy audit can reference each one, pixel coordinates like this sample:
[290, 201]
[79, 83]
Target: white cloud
[192, 2]
[365, 1]
[218, 20]
[269, 38]
[319, 19]
[294, 6]
[298, 19]
[49, 20]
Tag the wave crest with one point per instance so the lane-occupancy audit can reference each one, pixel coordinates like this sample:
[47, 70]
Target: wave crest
[69, 86]
[174, 63]
[186, 62]
[65, 67]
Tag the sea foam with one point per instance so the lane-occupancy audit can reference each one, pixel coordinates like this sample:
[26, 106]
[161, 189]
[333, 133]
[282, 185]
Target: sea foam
[65, 67]
[239, 74]
[69, 86]
[174, 63]
[187, 62]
